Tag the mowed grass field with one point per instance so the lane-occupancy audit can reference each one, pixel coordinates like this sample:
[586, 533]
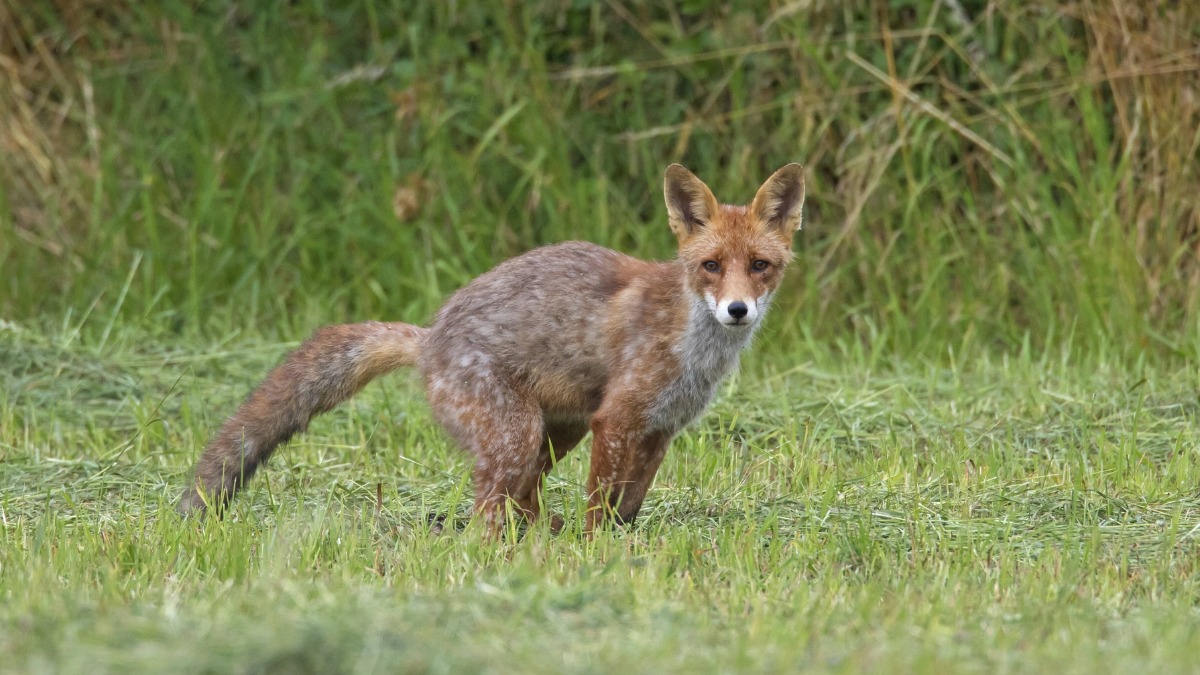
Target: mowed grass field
[1003, 515]
[965, 441]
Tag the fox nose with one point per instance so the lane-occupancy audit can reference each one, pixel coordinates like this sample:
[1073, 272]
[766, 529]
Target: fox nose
[738, 310]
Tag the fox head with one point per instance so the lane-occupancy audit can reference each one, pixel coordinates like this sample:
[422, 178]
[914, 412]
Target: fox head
[735, 255]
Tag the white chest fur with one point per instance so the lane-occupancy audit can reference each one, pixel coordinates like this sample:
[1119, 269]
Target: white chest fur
[707, 353]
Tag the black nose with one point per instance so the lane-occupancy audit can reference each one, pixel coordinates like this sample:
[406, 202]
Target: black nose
[738, 310]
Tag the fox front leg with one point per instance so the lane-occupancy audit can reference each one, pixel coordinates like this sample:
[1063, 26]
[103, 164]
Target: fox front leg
[625, 459]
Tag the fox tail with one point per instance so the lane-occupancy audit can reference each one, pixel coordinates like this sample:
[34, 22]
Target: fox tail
[330, 367]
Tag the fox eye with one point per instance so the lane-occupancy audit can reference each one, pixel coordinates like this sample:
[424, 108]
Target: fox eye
[760, 265]
[712, 266]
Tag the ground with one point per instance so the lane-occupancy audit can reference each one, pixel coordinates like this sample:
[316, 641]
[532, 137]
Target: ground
[829, 514]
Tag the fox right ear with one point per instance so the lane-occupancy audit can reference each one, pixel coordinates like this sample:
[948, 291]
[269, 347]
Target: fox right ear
[779, 203]
[690, 204]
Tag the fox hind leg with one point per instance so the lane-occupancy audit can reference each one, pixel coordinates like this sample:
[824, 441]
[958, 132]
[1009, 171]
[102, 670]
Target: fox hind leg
[512, 481]
[503, 429]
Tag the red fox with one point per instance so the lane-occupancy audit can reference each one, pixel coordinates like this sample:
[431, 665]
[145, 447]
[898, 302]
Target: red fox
[522, 362]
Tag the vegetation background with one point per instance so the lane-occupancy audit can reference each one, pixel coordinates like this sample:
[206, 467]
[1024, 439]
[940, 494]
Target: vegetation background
[965, 440]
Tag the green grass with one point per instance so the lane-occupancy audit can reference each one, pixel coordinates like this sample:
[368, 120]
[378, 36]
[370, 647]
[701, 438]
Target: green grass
[965, 442]
[985, 172]
[1004, 515]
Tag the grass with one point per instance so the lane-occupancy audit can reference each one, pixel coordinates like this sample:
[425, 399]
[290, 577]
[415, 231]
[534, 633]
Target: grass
[993, 173]
[965, 442]
[1003, 515]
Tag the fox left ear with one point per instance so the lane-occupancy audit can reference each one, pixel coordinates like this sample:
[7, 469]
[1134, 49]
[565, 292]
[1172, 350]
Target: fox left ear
[690, 204]
[779, 203]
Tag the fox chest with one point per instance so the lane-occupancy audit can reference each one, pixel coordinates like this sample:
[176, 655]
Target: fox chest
[703, 357]
[684, 399]
[686, 396]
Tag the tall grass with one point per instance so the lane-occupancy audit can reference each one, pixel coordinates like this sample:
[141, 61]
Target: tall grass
[982, 175]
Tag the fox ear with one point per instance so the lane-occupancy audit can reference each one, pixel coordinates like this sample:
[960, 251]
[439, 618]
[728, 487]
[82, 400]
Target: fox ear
[780, 201]
[690, 204]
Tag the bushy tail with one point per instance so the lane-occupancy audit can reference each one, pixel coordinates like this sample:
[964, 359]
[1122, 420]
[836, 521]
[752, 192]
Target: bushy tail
[333, 365]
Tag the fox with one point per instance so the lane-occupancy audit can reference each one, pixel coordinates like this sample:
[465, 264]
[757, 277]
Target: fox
[522, 362]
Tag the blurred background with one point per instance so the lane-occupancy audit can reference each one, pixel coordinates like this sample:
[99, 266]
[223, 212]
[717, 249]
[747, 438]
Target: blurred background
[984, 176]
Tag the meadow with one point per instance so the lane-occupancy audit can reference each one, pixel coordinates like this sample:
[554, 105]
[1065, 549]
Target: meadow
[965, 440]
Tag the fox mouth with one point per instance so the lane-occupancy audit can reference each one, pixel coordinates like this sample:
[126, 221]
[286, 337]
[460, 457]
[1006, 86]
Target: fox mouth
[734, 314]
[736, 323]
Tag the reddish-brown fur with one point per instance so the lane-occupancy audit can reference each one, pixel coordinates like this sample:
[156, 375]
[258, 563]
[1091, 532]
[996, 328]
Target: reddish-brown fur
[522, 362]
